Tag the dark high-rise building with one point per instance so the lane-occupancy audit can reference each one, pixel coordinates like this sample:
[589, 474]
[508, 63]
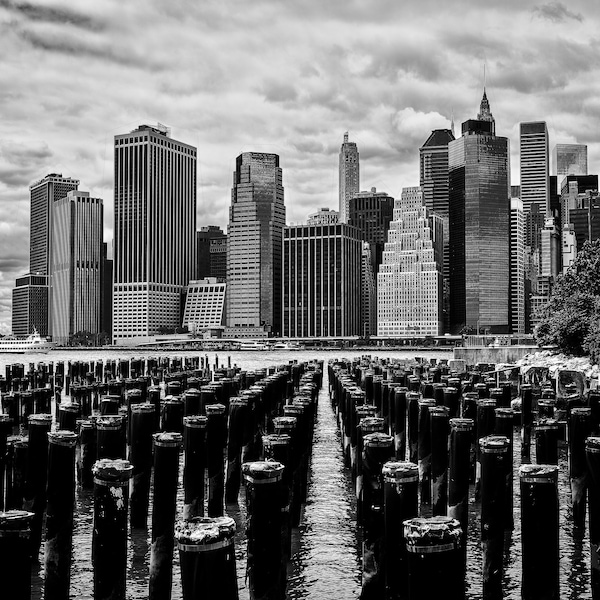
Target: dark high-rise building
[254, 246]
[479, 226]
[349, 172]
[371, 213]
[585, 218]
[43, 194]
[30, 305]
[321, 281]
[535, 166]
[155, 232]
[211, 253]
[218, 258]
[433, 156]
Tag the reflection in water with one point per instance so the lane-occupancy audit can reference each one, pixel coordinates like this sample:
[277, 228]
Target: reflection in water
[326, 564]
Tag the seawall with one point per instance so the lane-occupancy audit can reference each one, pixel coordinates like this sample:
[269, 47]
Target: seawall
[501, 354]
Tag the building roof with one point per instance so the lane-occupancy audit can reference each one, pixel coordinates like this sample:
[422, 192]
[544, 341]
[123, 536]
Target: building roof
[439, 137]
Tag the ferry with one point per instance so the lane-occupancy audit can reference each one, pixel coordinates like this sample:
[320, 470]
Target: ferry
[32, 343]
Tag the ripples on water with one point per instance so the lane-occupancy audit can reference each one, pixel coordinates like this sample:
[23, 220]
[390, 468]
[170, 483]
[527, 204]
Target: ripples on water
[326, 555]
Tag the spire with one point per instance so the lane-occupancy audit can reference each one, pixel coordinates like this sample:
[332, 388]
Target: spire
[345, 137]
[452, 121]
[485, 114]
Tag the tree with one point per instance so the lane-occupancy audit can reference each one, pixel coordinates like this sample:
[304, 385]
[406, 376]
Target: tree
[569, 320]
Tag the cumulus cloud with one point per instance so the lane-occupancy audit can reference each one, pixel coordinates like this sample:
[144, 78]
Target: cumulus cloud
[556, 12]
[230, 76]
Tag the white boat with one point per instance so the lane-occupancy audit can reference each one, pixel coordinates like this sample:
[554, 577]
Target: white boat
[286, 346]
[253, 345]
[32, 343]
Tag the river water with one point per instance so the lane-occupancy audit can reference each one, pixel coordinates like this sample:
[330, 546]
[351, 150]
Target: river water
[326, 552]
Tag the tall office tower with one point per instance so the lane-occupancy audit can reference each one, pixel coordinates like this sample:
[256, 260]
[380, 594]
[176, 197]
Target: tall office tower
[517, 266]
[479, 228]
[573, 188]
[349, 175]
[203, 249]
[204, 305]
[371, 213]
[324, 216]
[155, 231]
[30, 305]
[256, 222]
[409, 290]
[569, 159]
[433, 156]
[535, 166]
[321, 281]
[44, 193]
[77, 253]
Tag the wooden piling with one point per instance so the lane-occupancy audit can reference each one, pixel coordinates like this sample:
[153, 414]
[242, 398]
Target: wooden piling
[15, 569]
[59, 514]
[207, 558]
[109, 539]
[194, 443]
[539, 532]
[166, 474]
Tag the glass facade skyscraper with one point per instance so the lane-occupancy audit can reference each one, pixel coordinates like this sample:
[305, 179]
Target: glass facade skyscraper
[569, 159]
[479, 228]
[256, 222]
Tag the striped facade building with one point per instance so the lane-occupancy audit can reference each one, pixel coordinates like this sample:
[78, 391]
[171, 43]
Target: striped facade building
[321, 281]
[155, 232]
[77, 265]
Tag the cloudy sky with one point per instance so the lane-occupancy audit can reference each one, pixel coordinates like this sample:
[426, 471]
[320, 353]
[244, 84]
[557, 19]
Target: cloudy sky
[277, 76]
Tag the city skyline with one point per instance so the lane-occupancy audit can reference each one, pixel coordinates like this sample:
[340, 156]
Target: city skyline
[369, 70]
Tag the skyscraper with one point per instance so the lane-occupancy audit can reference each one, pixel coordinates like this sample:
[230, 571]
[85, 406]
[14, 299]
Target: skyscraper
[155, 231]
[479, 226]
[321, 281]
[535, 166]
[433, 159]
[371, 213]
[569, 159]
[256, 222]
[43, 194]
[77, 264]
[409, 290]
[349, 175]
